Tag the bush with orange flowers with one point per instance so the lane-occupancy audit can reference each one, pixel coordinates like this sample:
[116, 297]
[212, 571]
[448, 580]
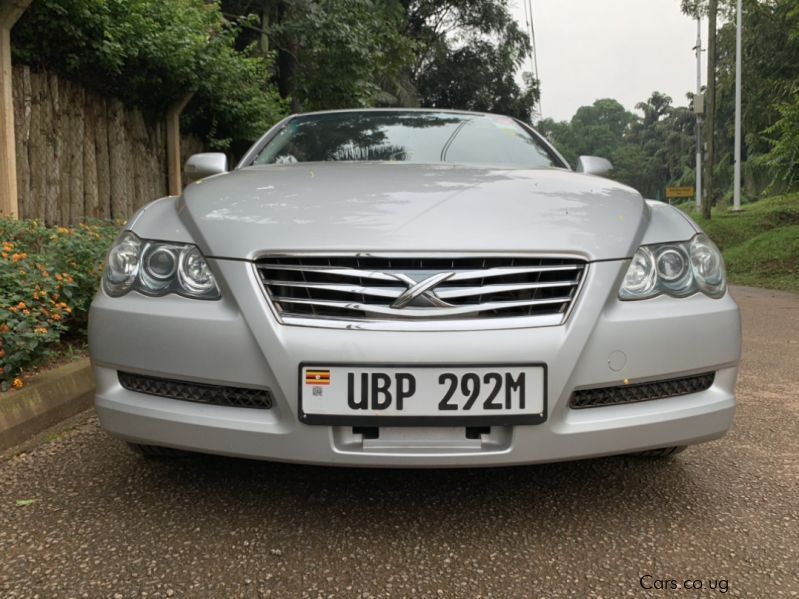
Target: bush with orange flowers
[48, 276]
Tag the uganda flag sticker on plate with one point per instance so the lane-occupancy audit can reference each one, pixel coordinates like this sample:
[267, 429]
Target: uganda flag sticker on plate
[317, 377]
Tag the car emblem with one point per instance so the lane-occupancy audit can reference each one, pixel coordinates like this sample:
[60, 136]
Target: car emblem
[421, 293]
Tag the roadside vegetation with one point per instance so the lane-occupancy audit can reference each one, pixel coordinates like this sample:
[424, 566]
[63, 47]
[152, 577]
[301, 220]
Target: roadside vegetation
[48, 276]
[249, 63]
[252, 62]
[654, 147]
[760, 243]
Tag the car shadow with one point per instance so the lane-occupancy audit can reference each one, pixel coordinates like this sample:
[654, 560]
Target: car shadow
[559, 494]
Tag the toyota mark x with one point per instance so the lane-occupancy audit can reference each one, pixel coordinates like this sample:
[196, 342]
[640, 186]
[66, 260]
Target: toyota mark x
[412, 288]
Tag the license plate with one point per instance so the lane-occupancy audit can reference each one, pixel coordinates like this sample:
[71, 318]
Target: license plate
[416, 395]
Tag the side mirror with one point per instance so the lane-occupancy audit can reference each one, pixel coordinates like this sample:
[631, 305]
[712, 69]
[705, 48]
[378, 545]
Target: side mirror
[594, 165]
[203, 165]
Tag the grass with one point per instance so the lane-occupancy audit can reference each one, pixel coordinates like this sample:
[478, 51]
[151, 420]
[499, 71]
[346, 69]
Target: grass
[760, 243]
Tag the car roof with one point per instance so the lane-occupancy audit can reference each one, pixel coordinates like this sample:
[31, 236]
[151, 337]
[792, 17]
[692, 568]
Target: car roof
[396, 109]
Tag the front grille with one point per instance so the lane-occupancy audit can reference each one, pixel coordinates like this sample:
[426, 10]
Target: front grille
[374, 288]
[622, 394]
[238, 397]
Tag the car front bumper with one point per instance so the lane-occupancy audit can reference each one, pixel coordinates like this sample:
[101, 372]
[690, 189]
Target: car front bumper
[238, 342]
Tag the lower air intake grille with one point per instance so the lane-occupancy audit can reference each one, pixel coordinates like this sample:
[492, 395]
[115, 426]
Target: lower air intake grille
[621, 394]
[238, 397]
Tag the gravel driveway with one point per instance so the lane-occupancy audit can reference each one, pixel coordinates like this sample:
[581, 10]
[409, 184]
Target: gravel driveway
[106, 523]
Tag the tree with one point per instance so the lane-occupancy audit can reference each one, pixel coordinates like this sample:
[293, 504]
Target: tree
[596, 130]
[150, 53]
[770, 80]
[345, 52]
[561, 135]
[783, 157]
[648, 152]
[632, 166]
[329, 53]
[348, 53]
[467, 53]
[599, 129]
[657, 149]
[479, 77]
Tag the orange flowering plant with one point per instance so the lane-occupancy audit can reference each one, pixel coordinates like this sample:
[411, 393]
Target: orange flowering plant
[48, 276]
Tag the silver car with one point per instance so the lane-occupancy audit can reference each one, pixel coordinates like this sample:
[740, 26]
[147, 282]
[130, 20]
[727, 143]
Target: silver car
[412, 288]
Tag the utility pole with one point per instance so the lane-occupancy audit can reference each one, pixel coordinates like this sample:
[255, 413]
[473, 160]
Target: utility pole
[710, 130]
[698, 102]
[738, 61]
[538, 112]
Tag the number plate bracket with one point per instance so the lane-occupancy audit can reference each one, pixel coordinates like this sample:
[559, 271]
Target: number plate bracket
[372, 418]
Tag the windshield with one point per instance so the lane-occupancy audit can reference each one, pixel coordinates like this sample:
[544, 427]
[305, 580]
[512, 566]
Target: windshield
[421, 137]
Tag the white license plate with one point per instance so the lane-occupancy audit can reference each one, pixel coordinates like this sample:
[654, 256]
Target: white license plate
[414, 395]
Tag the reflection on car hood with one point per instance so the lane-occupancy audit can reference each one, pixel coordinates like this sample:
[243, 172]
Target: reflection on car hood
[374, 207]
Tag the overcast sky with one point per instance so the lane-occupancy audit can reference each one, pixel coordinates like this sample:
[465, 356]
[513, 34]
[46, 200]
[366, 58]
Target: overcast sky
[622, 49]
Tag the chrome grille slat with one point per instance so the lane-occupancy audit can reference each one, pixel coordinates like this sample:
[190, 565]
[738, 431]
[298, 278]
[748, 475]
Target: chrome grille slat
[458, 276]
[421, 312]
[333, 290]
[392, 292]
[447, 292]
[503, 272]
[332, 270]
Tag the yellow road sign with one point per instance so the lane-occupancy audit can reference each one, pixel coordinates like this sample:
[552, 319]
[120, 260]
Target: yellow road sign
[679, 192]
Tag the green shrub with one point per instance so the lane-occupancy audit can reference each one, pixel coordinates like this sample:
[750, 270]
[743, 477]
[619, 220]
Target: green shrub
[760, 242]
[48, 277]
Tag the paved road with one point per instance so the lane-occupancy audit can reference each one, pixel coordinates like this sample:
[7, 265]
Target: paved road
[108, 523]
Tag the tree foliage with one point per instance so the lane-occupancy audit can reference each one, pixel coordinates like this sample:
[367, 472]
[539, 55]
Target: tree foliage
[769, 87]
[467, 55]
[783, 137]
[770, 82]
[656, 148]
[150, 53]
[249, 61]
[437, 53]
[649, 151]
[346, 52]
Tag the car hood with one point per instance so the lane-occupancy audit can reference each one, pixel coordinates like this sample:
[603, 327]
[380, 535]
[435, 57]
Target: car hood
[380, 207]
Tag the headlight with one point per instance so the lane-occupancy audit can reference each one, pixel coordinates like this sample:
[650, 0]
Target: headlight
[156, 268]
[676, 269]
[707, 266]
[641, 277]
[194, 274]
[122, 265]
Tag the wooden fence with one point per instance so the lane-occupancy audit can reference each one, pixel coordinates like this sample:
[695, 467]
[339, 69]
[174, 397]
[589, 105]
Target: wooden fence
[81, 155]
